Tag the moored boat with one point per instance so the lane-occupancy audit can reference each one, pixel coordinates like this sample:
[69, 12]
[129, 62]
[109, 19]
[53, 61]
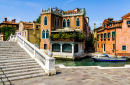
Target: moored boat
[108, 58]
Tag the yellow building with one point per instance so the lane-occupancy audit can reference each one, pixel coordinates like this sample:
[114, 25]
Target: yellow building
[30, 31]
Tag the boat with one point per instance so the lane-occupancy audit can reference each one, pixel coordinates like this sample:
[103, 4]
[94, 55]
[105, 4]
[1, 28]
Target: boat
[106, 57]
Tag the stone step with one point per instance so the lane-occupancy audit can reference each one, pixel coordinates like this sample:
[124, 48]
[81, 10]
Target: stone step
[5, 83]
[8, 58]
[25, 67]
[16, 60]
[16, 55]
[20, 56]
[24, 77]
[23, 70]
[14, 63]
[20, 74]
[18, 65]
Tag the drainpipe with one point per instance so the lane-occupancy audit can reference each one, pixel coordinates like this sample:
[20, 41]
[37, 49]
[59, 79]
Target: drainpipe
[115, 38]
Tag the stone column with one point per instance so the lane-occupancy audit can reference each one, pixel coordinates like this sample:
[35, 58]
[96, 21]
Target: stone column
[72, 50]
[61, 48]
[51, 47]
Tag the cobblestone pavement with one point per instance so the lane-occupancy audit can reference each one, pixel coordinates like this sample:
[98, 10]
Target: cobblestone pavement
[81, 76]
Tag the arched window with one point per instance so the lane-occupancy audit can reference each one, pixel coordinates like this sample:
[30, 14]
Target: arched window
[56, 21]
[66, 48]
[77, 22]
[68, 22]
[43, 34]
[64, 23]
[56, 47]
[45, 20]
[47, 33]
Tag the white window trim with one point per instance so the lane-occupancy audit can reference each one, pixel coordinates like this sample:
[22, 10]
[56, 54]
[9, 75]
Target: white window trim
[126, 48]
[79, 22]
[44, 21]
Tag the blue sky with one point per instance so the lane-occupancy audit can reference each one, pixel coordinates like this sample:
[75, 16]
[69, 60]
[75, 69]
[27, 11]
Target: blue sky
[97, 10]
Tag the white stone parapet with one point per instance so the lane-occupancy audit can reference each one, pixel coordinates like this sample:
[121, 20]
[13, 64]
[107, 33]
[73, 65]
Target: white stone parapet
[45, 61]
[61, 14]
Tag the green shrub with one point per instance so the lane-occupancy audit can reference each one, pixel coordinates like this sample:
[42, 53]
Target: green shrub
[56, 36]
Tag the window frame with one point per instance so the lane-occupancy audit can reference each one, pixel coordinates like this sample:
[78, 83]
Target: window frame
[122, 48]
[44, 46]
[67, 22]
[104, 35]
[113, 47]
[44, 35]
[109, 35]
[114, 34]
[44, 20]
[63, 23]
[79, 22]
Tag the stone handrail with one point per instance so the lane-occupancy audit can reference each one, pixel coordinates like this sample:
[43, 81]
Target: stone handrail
[46, 62]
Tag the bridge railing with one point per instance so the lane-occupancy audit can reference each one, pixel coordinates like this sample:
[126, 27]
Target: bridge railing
[45, 61]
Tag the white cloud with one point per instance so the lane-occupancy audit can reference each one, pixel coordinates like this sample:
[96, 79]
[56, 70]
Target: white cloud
[68, 2]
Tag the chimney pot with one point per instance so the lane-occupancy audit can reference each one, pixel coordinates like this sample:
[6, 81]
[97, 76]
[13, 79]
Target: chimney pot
[34, 21]
[14, 20]
[5, 19]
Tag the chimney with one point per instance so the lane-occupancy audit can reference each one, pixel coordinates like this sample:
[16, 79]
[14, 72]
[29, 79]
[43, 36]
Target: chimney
[94, 25]
[34, 21]
[5, 19]
[14, 20]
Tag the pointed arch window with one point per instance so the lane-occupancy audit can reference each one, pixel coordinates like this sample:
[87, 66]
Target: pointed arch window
[47, 33]
[68, 22]
[43, 34]
[45, 20]
[77, 22]
[56, 21]
[64, 23]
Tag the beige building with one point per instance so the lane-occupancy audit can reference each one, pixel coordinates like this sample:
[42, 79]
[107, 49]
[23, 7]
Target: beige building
[30, 31]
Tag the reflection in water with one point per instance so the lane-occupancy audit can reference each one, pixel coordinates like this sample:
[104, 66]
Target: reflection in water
[90, 62]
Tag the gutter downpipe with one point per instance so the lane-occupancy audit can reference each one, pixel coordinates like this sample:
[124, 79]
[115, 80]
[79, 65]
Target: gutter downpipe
[115, 40]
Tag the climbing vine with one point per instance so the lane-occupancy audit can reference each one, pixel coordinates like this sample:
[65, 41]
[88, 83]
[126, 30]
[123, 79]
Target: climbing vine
[6, 31]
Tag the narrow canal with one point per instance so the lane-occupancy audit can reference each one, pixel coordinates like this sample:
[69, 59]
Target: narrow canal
[90, 62]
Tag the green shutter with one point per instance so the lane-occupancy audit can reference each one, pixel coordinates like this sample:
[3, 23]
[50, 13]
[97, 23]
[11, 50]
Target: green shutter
[68, 23]
[127, 22]
[104, 35]
[64, 23]
[77, 22]
[67, 48]
[113, 34]
[45, 20]
[43, 34]
[47, 33]
[109, 35]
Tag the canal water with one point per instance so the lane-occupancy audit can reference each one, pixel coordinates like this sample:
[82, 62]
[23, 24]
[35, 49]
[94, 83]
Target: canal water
[90, 62]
